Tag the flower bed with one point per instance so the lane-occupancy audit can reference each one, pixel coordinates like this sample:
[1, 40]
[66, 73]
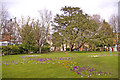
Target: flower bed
[82, 71]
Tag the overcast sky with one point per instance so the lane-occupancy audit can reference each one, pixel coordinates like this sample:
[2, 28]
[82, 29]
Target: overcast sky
[18, 8]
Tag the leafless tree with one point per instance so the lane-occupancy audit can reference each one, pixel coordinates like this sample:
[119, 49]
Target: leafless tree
[113, 22]
[4, 15]
[8, 26]
[42, 28]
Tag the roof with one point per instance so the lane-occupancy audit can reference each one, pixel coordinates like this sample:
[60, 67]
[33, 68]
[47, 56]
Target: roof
[7, 38]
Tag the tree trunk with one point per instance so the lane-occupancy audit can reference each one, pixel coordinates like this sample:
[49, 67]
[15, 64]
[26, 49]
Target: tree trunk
[55, 48]
[94, 48]
[63, 47]
[10, 40]
[40, 49]
[71, 48]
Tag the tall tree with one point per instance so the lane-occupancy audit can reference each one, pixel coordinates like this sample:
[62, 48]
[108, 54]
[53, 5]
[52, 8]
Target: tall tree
[42, 28]
[97, 23]
[57, 40]
[46, 18]
[74, 26]
[114, 23]
[105, 34]
[4, 20]
[39, 33]
[27, 34]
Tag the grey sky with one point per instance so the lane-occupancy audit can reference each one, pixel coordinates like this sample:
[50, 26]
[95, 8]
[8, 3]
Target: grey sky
[19, 8]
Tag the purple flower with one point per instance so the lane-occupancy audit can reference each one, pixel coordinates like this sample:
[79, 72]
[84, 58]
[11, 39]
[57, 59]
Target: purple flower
[41, 59]
[110, 73]
[95, 73]
[99, 73]
[15, 62]
[78, 72]
[75, 67]
[46, 59]
[92, 69]
[71, 69]
[105, 72]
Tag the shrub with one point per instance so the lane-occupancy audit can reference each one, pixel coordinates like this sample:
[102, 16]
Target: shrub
[23, 49]
[6, 50]
[45, 49]
[35, 49]
[18, 49]
[15, 50]
[98, 49]
[67, 49]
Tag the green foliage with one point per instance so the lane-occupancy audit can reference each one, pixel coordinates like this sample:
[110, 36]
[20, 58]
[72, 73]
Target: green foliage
[10, 50]
[67, 49]
[74, 26]
[35, 49]
[105, 34]
[46, 44]
[15, 50]
[6, 50]
[45, 49]
[22, 49]
[57, 39]
[27, 35]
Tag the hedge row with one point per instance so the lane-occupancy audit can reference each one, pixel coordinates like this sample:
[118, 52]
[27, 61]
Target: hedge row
[21, 49]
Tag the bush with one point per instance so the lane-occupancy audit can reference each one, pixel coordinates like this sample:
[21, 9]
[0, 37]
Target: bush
[22, 49]
[15, 50]
[36, 49]
[98, 49]
[45, 49]
[6, 50]
[18, 49]
[67, 49]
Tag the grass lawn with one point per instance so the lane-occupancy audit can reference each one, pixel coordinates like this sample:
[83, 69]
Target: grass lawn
[61, 65]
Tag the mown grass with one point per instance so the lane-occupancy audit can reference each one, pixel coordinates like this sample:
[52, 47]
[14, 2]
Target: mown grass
[101, 63]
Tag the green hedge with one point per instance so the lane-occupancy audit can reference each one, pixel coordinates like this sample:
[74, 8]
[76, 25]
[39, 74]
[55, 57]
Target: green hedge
[67, 49]
[21, 49]
[45, 49]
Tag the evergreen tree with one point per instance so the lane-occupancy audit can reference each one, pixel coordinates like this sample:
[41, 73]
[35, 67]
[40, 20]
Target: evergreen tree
[74, 26]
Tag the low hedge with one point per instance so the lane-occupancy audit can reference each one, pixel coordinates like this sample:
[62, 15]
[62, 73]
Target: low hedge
[21, 49]
[45, 49]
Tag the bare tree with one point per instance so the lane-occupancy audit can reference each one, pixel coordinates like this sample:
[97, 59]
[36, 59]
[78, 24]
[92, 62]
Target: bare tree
[4, 16]
[114, 25]
[8, 26]
[42, 28]
[113, 22]
[46, 17]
